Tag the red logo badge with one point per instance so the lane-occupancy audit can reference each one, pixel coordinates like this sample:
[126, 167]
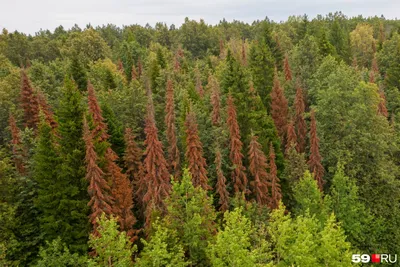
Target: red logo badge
[376, 258]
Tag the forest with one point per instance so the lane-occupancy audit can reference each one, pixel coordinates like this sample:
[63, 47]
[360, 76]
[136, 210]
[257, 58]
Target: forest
[235, 144]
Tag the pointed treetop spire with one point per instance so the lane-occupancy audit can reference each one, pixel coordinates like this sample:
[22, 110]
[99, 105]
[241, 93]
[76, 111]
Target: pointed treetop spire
[220, 187]
[315, 158]
[258, 169]
[238, 173]
[194, 153]
[279, 107]
[173, 151]
[276, 195]
[100, 200]
[100, 127]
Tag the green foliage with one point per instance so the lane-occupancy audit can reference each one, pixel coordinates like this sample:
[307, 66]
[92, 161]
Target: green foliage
[112, 247]
[252, 115]
[78, 73]
[50, 199]
[191, 215]
[233, 246]
[309, 199]
[56, 254]
[301, 241]
[45, 170]
[71, 185]
[115, 130]
[354, 132]
[333, 249]
[356, 220]
[163, 249]
[261, 65]
[196, 37]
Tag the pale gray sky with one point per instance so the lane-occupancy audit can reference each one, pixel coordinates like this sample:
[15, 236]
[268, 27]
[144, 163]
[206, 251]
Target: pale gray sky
[31, 15]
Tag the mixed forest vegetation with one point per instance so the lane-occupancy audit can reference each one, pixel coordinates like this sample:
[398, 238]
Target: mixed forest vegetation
[263, 144]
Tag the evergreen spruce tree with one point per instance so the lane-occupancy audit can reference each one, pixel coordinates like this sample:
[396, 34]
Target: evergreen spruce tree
[72, 186]
[261, 65]
[46, 163]
[114, 130]
[334, 249]
[356, 219]
[191, 215]
[163, 249]
[308, 198]
[78, 73]
[112, 246]
[215, 100]
[233, 246]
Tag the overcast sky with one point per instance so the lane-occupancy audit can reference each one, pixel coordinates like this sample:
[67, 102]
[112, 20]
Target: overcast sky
[31, 15]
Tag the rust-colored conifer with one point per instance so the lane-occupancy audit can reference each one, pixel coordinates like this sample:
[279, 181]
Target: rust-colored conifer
[140, 68]
[382, 105]
[122, 194]
[220, 187]
[173, 151]
[134, 166]
[100, 127]
[286, 67]
[238, 173]
[194, 153]
[177, 64]
[291, 140]
[199, 86]
[16, 146]
[354, 63]
[374, 65]
[221, 48]
[156, 172]
[99, 191]
[45, 107]
[29, 102]
[276, 195]
[215, 101]
[244, 56]
[134, 73]
[120, 66]
[315, 158]
[279, 107]
[258, 168]
[372, 76]
[300, 122]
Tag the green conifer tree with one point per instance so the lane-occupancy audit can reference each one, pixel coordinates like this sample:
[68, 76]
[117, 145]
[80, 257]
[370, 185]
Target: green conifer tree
[45, 173]
[72, 186]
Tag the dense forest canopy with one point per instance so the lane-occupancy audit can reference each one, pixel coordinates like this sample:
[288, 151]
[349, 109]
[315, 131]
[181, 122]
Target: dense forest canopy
[236, 144]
